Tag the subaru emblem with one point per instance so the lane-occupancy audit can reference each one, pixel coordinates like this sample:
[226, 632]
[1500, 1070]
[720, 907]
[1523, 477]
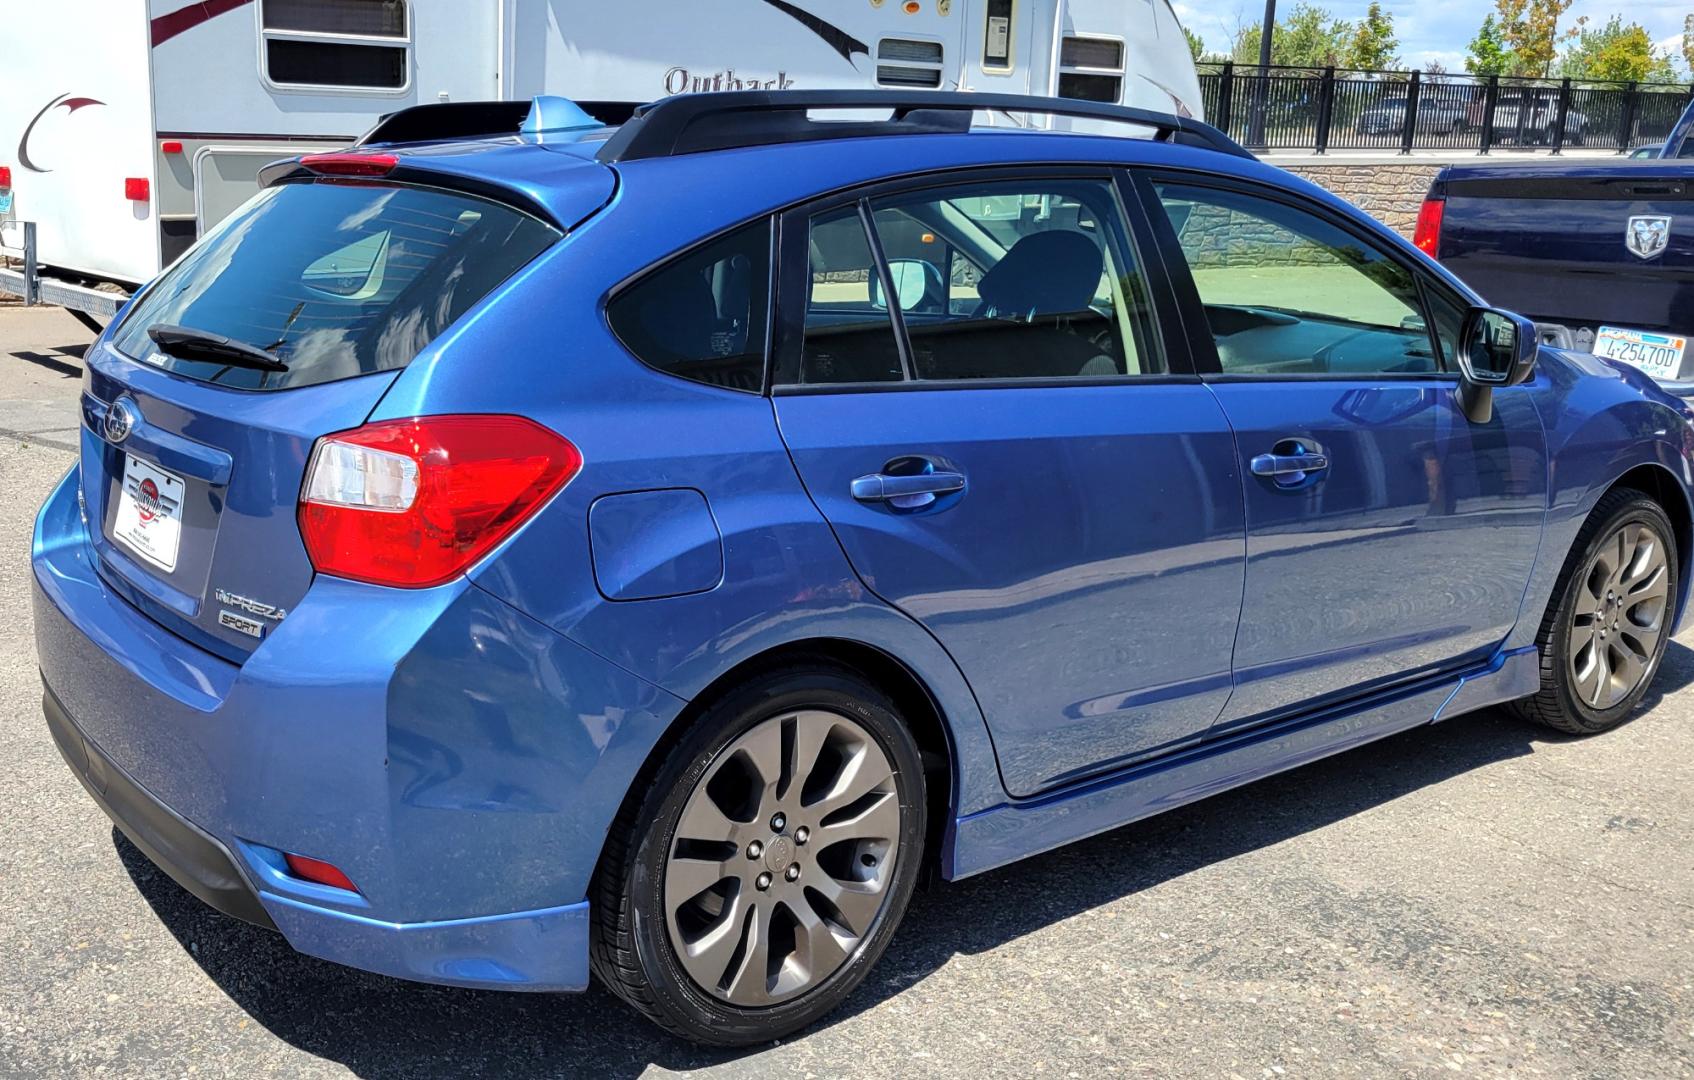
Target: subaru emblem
[1647, 236]
[120, 420]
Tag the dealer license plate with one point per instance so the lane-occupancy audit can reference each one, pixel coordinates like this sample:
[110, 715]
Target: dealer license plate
[1659, 355]
[149, 518]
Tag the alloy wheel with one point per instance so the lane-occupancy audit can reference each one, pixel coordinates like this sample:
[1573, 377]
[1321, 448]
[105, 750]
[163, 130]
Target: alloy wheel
[1619, 616]
[782, 857]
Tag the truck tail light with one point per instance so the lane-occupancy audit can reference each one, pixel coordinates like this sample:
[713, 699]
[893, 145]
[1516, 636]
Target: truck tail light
[1427, 236]
[137, 189]
[5, 177]
[414, 503]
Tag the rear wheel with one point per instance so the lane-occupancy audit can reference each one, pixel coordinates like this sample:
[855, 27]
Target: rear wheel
[758, 879]
[1606, 632]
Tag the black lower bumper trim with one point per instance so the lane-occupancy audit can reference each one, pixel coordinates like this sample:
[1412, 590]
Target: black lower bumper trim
[176, 845]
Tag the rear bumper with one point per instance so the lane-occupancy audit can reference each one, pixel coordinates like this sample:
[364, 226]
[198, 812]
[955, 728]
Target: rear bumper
[458, 761]
[176, 845]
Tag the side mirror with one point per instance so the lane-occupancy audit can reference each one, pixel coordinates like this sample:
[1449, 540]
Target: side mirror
[1496, 349]
[911, 279]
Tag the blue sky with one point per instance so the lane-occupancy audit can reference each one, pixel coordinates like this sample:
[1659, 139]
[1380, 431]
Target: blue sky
[1435, 30]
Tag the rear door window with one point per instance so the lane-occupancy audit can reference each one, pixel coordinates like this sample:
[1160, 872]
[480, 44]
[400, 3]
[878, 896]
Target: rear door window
[335, 279]
[1017, 280]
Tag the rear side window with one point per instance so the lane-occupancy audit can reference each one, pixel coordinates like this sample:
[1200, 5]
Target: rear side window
[334, 279]
[702, 317]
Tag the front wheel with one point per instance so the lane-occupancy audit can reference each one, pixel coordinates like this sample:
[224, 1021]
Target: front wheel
[755, 883]
[1607, 629]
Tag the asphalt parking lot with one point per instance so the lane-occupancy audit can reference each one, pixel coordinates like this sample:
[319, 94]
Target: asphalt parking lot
[1481, 897]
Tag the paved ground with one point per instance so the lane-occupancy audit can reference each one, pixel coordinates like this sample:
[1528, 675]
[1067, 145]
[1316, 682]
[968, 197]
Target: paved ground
[1479, 898]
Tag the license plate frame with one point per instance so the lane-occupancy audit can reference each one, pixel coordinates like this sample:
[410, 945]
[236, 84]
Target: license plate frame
[1659, 355]
[148, 521]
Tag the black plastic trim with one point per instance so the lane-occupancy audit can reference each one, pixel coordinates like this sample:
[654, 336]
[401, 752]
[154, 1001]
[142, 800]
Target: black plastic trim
[176, 845]
[692, 123]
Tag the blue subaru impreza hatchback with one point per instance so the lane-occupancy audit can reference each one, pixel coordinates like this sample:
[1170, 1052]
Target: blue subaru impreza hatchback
[518, 547]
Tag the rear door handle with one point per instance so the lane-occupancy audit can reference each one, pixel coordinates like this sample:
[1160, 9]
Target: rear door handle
[1288, 464]
[881, 487]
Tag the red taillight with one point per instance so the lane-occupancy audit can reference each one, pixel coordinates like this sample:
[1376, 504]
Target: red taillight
[1427, 236]
[5, 177]
[316, 870]
[415, 502]
[170, 146]
[137, 189]
[350, 164]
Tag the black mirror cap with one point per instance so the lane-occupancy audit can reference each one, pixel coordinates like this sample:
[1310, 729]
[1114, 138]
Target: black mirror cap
[1497, 348]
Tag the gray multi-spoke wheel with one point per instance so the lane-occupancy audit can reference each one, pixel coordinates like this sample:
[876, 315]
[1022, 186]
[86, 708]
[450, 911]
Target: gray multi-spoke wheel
[1610, 618]
[782, 857]
[1619, 615]
[751, 884]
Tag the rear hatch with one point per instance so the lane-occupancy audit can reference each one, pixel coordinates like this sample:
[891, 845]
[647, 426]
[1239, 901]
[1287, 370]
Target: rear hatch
[193, 462]
[1553, 242]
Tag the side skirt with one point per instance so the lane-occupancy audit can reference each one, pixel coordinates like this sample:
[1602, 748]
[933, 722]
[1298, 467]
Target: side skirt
[1019, 828]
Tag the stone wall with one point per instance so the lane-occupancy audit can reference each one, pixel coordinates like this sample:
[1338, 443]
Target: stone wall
[1390, 193]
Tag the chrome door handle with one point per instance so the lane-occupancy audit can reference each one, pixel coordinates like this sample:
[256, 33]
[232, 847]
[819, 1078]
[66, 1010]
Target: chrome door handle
[1288, 464]
[881, 487]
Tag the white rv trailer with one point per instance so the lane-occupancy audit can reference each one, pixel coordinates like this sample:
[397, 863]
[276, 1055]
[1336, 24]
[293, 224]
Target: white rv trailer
[126, 129]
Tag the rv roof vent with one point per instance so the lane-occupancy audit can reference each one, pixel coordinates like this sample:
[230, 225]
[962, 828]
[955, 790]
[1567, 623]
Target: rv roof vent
[908, 62]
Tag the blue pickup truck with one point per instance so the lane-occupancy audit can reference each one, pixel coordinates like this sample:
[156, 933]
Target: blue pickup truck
[1599, 253]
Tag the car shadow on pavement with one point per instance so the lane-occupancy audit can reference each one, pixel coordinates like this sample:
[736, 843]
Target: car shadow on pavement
[380, 1027]
[56, 358]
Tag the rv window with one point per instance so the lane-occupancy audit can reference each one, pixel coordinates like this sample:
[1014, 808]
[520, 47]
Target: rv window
[367, 18]
[352, 44]
[1091, 69]
[313, 63]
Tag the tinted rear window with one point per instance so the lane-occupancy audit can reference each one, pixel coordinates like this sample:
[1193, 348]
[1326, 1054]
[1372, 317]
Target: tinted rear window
[336, 279]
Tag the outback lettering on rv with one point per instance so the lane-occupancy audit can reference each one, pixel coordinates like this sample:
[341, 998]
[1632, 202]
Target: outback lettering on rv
[679, 80]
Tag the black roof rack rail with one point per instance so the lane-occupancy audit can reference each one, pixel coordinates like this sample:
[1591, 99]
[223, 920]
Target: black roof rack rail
[691, 123]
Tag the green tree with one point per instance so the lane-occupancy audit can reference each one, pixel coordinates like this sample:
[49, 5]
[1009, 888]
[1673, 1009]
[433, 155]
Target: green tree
[1617, 51]
[1530, 29]
[1373, 45]
[1309, 37]
[1487, 53]
[1196, 44]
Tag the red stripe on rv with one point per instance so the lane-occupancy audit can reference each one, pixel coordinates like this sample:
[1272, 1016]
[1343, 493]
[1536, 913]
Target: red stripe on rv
[170, 25]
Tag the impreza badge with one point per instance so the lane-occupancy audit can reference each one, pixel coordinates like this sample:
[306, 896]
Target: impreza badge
[1648, 235]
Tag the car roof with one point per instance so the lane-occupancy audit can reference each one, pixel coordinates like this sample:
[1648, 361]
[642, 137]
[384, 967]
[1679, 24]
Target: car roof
[755, 152]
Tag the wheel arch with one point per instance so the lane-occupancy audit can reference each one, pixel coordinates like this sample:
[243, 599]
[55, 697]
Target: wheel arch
[912, 696]
[1658, 483]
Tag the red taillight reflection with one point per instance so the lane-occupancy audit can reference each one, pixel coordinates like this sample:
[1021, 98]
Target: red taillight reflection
[413, 503]
[1427, 235]
[350, 164]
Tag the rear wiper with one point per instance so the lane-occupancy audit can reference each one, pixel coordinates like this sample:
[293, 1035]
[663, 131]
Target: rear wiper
[187, 344]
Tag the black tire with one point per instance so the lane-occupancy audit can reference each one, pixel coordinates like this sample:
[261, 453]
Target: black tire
[632, 951]
[1557, 705]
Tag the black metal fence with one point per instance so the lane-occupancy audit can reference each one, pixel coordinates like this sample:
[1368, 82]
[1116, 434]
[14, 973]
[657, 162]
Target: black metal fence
[1321, 109]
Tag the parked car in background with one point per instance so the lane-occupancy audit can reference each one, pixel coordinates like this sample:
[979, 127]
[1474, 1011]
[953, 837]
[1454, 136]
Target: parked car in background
[1599, 253]
[1389, 117]
[484, 566]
